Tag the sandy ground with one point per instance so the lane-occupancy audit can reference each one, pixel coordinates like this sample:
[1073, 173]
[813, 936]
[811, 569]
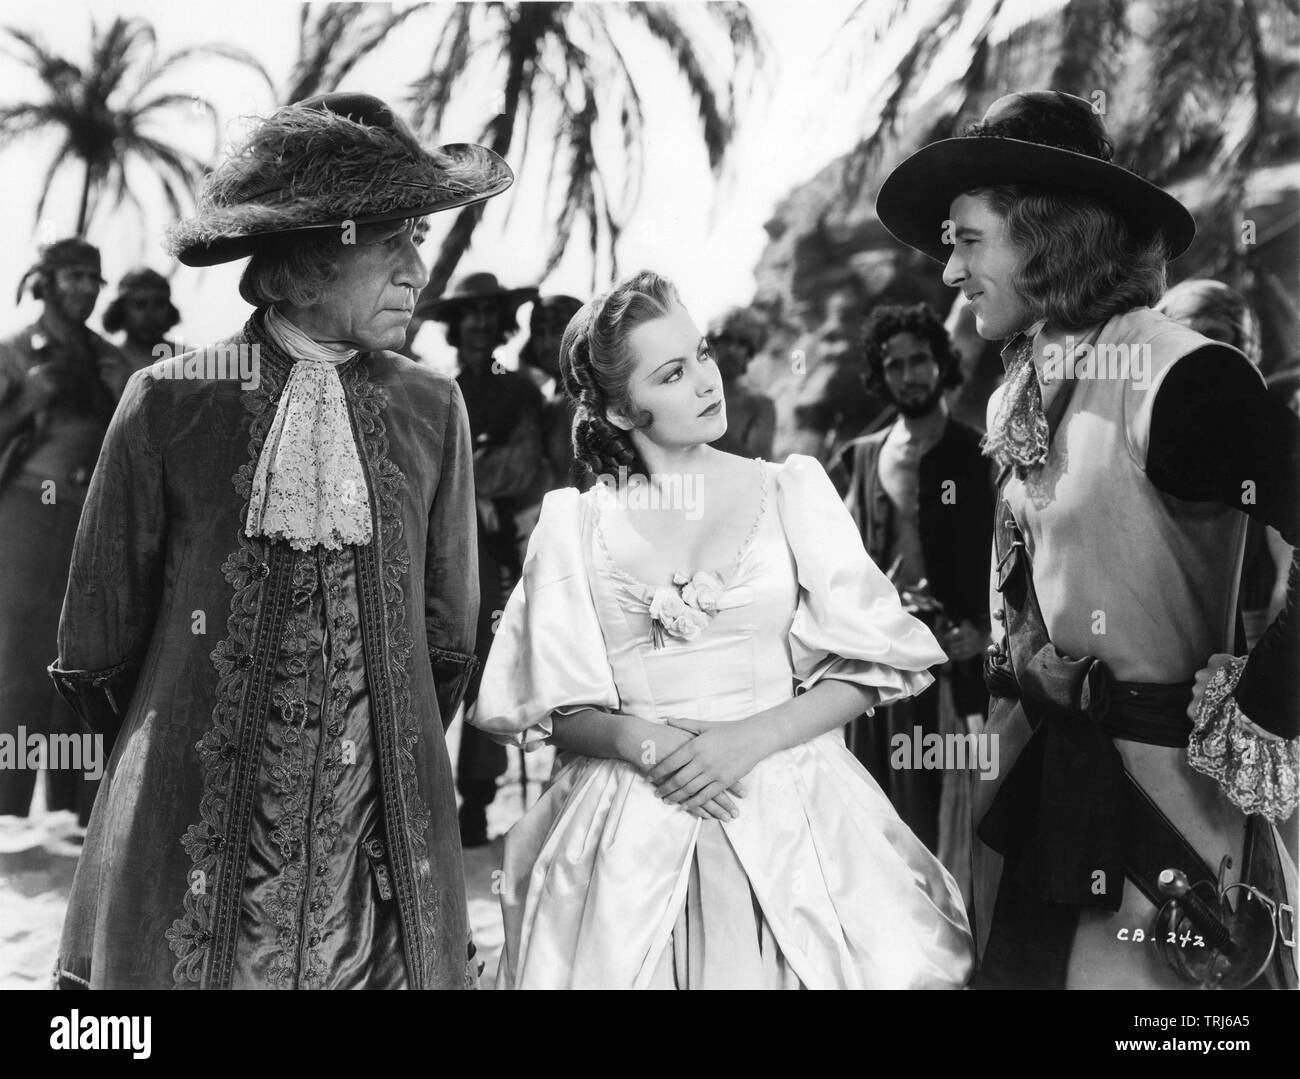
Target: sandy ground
[38, 856]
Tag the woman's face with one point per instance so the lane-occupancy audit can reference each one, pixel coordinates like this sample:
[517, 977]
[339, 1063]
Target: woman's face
[677, 381]
[370, 301]
[145, 314]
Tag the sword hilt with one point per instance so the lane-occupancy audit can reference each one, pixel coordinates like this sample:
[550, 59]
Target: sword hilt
[1173, 884]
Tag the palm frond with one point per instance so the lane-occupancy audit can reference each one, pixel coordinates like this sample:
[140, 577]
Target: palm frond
[431, 94]
[716, 121]
[321, 28]
[122, 191]
[864, 157]
[201, 52]
[750, 47]
[47, 181]
[19, 120]
[368, 40]
[39, 58]
[140, 111]
[579, 196]
[631, 112]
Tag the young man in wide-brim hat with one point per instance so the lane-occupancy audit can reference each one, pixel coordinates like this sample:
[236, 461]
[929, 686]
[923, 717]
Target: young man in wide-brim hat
[274, 594]
[1132, 451]
[505, 410]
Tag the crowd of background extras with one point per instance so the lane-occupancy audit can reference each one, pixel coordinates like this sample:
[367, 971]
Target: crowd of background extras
[835, 388]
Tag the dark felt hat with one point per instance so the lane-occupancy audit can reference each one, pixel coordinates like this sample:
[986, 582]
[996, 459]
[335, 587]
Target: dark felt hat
[1042, 138]
[323, 162]
[472, 288]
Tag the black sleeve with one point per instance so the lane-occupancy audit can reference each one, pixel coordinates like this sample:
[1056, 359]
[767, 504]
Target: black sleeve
[1217, 435]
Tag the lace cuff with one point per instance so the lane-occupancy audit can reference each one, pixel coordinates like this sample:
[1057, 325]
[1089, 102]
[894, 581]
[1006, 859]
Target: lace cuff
[1257, 774]
[452, 672]
[100, 698]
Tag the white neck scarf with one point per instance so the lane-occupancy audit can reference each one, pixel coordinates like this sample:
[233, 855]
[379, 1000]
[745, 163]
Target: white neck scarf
[309, 487]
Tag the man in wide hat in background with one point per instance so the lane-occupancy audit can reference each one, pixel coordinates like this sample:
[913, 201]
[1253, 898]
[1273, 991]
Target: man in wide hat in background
[1132, 450]
[505, 421]
[274, 594]
[59, 384]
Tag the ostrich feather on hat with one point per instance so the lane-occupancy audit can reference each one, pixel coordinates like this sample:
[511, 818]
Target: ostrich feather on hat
[323, 162]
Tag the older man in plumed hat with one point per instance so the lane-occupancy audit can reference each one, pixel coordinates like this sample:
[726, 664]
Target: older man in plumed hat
[273, 594]
[1132, 451]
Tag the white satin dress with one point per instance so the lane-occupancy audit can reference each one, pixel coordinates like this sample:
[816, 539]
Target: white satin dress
[817, 883]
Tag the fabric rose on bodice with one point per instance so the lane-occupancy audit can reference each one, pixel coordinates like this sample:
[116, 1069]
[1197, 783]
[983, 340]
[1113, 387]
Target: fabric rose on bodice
[684, 609]
[701, 591]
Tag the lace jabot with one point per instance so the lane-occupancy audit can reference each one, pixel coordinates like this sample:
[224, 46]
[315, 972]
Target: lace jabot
[1018, 435]
[309, 486]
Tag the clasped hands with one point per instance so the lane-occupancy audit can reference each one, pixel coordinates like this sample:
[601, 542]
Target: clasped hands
[699, 765]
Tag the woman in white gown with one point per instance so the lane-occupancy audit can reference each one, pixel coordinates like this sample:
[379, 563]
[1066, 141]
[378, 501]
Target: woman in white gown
[693, 647]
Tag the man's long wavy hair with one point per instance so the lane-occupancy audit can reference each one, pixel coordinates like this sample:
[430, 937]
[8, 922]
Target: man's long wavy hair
[1084, 263]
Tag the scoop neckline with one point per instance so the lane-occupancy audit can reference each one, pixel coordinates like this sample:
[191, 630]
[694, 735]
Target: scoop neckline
[722, 573]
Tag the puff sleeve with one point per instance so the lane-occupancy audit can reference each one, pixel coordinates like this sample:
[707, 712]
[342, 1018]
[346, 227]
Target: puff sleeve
[548, 653]
[849, 623]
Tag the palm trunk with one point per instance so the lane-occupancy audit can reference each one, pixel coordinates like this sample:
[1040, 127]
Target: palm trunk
[85, 203]
[458, 239]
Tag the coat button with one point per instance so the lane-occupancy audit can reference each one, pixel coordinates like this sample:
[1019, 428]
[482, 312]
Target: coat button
[263, 571]
[244, 662]
[999, 615]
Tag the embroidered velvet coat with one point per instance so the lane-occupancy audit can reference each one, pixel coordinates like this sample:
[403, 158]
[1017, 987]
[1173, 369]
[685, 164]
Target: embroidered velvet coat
[278, 809]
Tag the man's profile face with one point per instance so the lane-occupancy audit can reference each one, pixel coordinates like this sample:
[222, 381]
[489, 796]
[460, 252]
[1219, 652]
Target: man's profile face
[72, 292]
[984, 264]
[369, 301]
[911, 373]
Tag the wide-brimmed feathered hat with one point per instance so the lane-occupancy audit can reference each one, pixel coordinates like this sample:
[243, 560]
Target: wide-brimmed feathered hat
[474, 288]
[1042, 138]
[321, 163]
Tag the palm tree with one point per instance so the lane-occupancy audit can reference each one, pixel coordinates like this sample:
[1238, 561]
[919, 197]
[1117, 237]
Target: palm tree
[546, 57]
[103, 111]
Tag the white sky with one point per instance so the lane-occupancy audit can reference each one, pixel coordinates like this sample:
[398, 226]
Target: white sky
[705, 234]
